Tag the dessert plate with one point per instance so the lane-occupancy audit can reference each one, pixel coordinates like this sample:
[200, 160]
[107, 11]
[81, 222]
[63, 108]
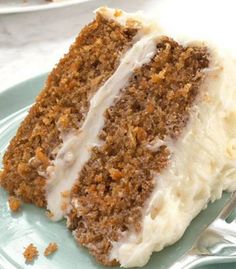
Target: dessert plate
[31, 225]
[16, 6]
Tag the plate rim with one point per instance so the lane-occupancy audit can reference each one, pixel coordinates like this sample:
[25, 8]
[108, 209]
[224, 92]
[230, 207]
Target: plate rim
[37, 7]
[21, 83]
[7, 95]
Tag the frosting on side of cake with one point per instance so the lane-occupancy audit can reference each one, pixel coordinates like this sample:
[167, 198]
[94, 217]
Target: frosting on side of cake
[202, 166]
[75, 149]
[136, 19]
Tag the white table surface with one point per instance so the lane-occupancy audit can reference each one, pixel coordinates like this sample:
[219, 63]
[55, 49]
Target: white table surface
[32, 43]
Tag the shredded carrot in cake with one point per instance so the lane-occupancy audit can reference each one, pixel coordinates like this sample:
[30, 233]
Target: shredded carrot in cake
[14, 203]
[51, 248]
[49, 214]
[30, 253]
[118, 13]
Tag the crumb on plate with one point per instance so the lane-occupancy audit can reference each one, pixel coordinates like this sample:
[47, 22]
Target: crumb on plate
[1, 173]
[14, 203]
[49, 214]
[30, 253]
[50, 249]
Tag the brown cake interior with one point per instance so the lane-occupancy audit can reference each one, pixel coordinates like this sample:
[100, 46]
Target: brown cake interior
[62, 105]
[114, 185]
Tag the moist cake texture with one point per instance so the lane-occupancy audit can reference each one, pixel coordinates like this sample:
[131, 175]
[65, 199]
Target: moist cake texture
[131, 137]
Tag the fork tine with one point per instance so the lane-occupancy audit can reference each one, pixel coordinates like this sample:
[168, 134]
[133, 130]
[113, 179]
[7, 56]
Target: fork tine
[228, 207]
[196, 254]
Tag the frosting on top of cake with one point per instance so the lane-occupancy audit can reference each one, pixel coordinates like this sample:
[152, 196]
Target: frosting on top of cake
[133, 20]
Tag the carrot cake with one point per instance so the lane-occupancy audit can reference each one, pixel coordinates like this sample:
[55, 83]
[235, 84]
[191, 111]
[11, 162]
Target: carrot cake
[131, 137]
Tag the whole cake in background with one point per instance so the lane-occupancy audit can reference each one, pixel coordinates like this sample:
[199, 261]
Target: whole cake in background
[131, 137]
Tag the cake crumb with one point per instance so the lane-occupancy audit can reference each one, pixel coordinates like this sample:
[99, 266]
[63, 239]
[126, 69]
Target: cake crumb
[65, 194]
[115, 174]
[150, 107]
[50, 249]
[41, 156]
[30, 253]
[118, 13]
[49, 214]
[157, 77]
[131, 23]
[1, 174]
[141, 134]
[14, 203]
[64, 206]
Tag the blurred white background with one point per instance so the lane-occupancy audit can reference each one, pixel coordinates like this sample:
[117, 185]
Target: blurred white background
[31, 43]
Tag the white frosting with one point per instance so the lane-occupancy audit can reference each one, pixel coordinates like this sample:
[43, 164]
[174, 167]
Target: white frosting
[131, 20]
[122, 17]
[75, 150]
[184, 20]
[203, 164]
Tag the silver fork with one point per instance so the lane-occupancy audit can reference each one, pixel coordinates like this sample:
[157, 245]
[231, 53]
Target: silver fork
[216, 244]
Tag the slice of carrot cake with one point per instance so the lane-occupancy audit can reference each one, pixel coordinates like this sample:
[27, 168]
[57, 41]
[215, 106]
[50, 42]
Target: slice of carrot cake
[132, 136]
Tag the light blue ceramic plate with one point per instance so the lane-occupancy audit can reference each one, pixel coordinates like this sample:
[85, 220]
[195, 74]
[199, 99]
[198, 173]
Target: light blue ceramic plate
[32, 226]
[17, 6]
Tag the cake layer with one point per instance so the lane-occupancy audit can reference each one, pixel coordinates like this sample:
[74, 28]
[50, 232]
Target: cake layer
[119, 177]
[63, 105]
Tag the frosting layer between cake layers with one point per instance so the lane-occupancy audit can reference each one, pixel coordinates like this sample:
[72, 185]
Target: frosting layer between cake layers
[75, 150]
